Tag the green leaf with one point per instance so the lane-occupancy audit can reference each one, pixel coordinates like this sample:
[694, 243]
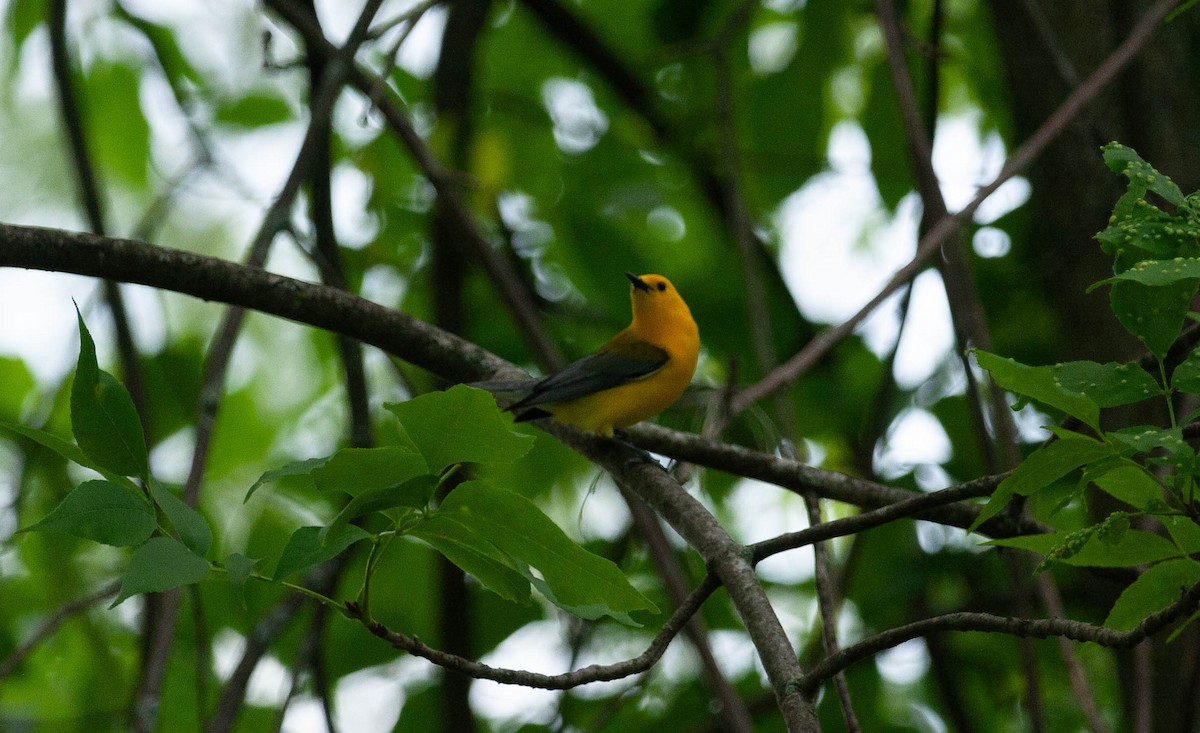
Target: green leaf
[1184, 531]
[1123, 549]
[1146, 438]
[460, 425]
[514, 524]
[103, 418]
[1041, 384]
[238, 568]
[103, 512]
[1186, 377]
[1125, 160]
[22, 17]
[64, 448]
[414, 493]
[193, 529]
[1157, 273]
[1130, 483]
[160, 564]
[1041, 468]
[304, 549]
[468, 550]
[296, 468]
[1154, 590]
[356, 470]
[1152, 313]
[118, 134]
[255, 110]
[1108, 385]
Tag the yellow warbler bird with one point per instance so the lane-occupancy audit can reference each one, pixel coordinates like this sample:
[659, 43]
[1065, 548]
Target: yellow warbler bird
[639, 373]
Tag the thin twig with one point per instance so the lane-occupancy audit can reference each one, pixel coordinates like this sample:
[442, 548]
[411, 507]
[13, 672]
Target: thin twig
[566, 681]
[808, 683]
[64, 613]
[1020, 159]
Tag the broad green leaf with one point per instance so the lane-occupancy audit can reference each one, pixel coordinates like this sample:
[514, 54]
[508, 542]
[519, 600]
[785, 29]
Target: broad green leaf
[1161, 272]
[1041, 384]
[193, 529]
[161, 564]
[22, 17]
[1131, 484]
[304, 549]
[1184, 531]
[255, 110]
[1132, 547]
[102, 512]
[1108, 385]
[296, 468]
[356, 470]
[1146, 438]
[414, 493]
[460, 425]
[474, 554]
[514, 524]
[1154, 590]
[119, 136]
[1041, 468]
[238, 568]
[1125, 160]
[1152, 313]
[1186, 376]
[103, 418]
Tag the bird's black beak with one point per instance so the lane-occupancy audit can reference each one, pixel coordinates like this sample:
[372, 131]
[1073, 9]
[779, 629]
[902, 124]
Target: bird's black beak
[637, 282]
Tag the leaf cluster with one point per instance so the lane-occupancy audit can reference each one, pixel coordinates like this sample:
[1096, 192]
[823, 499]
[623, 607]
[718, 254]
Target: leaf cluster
[1154, 240]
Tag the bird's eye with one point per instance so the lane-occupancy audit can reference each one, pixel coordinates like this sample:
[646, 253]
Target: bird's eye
[662, 287]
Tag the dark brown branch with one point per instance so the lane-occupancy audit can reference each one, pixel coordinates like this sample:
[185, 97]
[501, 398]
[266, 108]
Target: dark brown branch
[1020, 159]
[566, 681]
[64, 613]
[808, 683]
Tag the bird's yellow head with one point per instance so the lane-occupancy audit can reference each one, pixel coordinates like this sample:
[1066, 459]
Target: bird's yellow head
[657, 305]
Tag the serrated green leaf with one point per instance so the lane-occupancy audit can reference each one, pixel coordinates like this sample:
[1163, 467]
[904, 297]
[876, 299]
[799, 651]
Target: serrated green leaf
[105, 423]
[193, 529]
[1041, 384]
[414, 493]
[1186, 377]
[1041, 468]
[354, 471]
[1108, 385]
[296, 468]
[1125, 160]
[514, 524]
[1127, 549]
[304, 549]
[237, 569]
[1131, 484]
[1184, 531]
[1152, 313]
[468, 550]
[103, 512]
[1161, 272]
[162, 563]
[1154, 590]
[1146, 438]
[460, 425]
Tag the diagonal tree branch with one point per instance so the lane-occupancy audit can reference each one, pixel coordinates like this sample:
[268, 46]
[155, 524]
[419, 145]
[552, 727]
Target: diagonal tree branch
[1021, 158]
